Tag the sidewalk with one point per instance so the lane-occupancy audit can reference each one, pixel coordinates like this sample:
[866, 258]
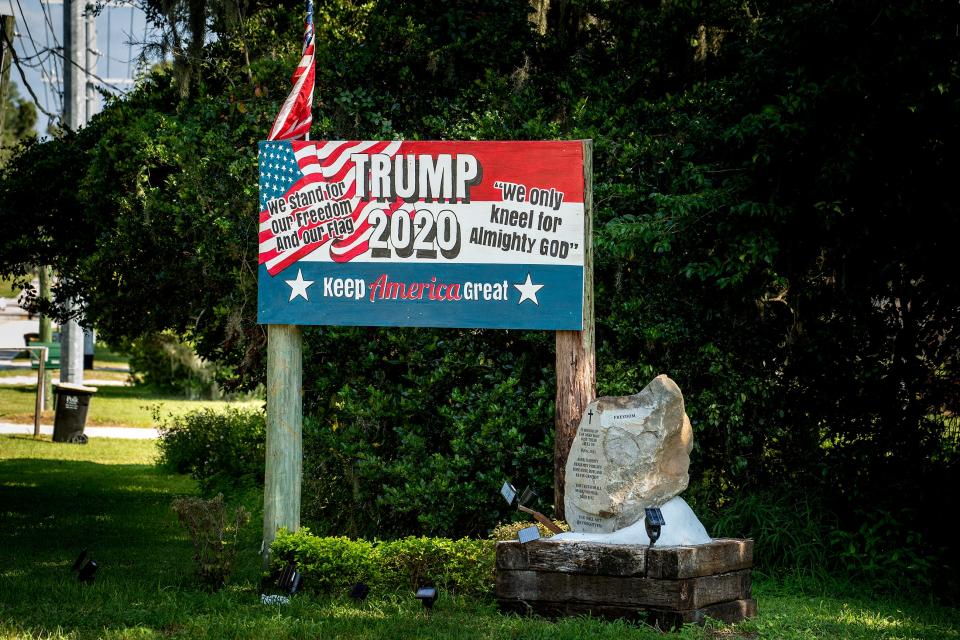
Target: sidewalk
[127, 433]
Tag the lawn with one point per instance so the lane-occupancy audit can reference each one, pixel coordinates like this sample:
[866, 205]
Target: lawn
[124, 406]
[108, 497]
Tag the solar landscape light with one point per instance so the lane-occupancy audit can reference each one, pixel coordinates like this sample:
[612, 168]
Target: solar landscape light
[527, 496]
[652, 522]
[85, 567]
[528, 534]
[426, 595]
[79, 561]
[290, 578]
[508, 493]
[359, 591]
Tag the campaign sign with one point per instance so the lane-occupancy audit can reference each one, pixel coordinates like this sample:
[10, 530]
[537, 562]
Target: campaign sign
[425, 234]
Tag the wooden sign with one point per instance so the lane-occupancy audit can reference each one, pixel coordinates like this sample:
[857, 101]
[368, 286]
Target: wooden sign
[428, 234]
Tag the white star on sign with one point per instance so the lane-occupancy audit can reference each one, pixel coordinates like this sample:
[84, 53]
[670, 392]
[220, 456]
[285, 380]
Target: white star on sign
[299, 286]
[528, 291]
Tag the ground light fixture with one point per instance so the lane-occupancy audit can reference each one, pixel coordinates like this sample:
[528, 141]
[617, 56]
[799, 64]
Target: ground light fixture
[86, 567]
[359, 591]
[528, 534]
[288, 582]
[290, 578]
[426, 595]
[509, 494]
[652, 522]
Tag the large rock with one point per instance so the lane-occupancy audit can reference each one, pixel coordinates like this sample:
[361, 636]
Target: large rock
[630, 452]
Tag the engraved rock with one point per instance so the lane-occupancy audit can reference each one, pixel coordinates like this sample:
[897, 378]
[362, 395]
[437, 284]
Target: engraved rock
[630, 452]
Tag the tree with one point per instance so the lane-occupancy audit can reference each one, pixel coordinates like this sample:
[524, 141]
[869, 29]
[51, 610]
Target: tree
[18, 116]
[773, 219]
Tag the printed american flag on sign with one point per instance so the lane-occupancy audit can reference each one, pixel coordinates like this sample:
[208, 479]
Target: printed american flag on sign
[295, 117]
[286, 168]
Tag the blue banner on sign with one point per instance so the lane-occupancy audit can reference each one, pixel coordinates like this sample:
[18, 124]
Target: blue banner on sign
[499, 296]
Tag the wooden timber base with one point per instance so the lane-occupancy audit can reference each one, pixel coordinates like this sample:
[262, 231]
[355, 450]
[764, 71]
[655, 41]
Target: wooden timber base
[662, 586]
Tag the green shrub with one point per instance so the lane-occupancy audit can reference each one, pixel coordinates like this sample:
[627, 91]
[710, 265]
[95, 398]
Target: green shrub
[883, 552]
[163, 361]
[327, 564]
[219, 448]
[417, 436]
[464, 566]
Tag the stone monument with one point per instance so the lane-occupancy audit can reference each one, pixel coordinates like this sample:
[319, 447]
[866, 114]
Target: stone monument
[632, 452]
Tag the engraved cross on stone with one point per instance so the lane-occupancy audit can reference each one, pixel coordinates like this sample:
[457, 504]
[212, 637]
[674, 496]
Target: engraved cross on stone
[590, 419]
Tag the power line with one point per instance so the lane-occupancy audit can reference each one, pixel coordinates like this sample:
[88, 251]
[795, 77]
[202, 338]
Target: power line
[89, 73]
[16, 61]
[47, 33]
[33, 42]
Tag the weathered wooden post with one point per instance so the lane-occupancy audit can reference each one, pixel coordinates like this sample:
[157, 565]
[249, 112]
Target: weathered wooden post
[284, 463]
[576, 356]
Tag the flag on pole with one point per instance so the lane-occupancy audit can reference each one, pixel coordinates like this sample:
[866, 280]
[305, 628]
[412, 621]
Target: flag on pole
[295, 117]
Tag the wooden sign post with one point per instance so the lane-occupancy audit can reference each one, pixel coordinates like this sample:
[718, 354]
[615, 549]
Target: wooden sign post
[284, 455]
[576, 354]
[393, 233]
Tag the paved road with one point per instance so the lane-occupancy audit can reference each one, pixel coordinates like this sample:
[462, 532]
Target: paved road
[126, 433]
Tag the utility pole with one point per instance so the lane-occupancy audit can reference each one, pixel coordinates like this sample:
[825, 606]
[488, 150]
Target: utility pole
[79, 99]
[6, 56]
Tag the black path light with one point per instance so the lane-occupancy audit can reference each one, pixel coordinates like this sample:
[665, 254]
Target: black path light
[359, 591]
[290, 578]
[652, 522]
[526, 497]
[86, 567]
[288, 582]
[427, 596]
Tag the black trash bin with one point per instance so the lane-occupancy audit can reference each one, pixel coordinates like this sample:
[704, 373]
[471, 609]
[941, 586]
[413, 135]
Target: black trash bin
[70, 417]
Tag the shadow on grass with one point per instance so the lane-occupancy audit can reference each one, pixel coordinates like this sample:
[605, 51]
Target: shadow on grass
[51, 509]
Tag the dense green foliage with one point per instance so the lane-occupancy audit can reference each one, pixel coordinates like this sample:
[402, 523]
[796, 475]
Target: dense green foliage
[217, 448]
[773, 223]
[17, 119]
[334, 565]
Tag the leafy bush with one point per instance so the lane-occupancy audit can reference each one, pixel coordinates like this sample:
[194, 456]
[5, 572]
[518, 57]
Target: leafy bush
[418, 435]
[219, 448]
[163, 361]
[213, 532]
[329, 564]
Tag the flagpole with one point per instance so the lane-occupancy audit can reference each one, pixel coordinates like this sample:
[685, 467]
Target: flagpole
[283, 472]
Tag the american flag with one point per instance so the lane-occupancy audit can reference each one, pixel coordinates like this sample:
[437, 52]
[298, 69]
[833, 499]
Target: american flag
[295, 117]
[286, 167]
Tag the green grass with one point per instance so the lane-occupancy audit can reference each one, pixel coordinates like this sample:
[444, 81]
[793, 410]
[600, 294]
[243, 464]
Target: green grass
[124, 406]
[57, 499]
[6, 289]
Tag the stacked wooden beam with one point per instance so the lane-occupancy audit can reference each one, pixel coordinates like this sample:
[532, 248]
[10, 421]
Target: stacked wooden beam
[665, 586]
